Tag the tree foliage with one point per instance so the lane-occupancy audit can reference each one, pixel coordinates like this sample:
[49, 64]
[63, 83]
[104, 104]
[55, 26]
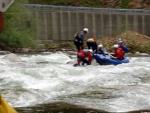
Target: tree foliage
[18, 29]
[124, 4]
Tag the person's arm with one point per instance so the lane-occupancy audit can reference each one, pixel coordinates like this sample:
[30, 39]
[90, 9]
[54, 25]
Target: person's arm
[125, 49]
[81, 36]
[114, 56]
[103, 53]
[82, 39]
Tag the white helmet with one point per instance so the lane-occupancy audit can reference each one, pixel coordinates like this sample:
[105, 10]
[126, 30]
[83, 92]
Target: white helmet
[100, 46]
[90, 50]
[86, 30]
[116, 46]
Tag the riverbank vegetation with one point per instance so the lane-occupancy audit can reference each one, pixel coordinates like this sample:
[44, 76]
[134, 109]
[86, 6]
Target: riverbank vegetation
[136, 42]
[97, 3]
[17, 32]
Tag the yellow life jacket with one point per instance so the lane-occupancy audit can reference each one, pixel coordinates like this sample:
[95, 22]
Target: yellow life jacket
[91, 40]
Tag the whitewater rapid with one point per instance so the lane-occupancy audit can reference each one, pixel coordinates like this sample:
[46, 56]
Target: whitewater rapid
[47, 78]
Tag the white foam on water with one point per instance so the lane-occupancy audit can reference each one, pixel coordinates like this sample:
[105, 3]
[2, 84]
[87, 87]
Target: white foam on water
[46, 78]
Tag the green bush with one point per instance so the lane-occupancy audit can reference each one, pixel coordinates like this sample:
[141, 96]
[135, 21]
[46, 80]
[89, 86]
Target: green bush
[124, 3]
[18, 28]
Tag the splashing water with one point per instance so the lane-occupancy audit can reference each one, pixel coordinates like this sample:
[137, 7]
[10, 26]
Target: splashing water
[46, 78]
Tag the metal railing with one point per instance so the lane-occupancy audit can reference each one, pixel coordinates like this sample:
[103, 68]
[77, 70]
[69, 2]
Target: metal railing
[87, 9]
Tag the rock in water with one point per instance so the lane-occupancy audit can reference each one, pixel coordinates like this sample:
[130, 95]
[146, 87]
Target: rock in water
[12, 57]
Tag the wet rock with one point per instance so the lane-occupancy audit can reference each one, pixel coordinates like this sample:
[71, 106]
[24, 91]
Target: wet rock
[12, 57]
[59, 107]
[4, 52]
[25, 50]
[142, 54]
[71, 52]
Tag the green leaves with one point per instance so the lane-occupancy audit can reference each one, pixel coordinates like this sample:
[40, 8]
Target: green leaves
[18, 28]
[124, 4]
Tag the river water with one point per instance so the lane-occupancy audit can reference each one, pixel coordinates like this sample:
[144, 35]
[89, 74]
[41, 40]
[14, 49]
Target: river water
[46, 78]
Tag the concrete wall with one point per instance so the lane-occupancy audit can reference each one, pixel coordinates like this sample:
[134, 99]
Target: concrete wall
[62, 25]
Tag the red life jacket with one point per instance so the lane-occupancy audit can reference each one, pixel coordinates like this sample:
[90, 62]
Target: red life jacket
[119, 53]
[90, 57]
[82, 54]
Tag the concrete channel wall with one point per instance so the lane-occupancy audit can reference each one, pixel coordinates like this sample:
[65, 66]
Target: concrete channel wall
[62, 22]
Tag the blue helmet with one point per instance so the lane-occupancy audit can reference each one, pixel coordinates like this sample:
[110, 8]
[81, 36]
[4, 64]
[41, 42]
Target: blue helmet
[120, 42]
